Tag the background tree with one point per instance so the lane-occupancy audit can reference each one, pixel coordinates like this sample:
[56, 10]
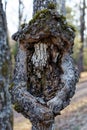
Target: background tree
[5, 101]
[61, 6]
[82, 29]
[20, 12]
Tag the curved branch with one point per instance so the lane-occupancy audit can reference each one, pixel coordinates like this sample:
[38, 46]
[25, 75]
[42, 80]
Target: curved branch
[30, 107]
[68, 82]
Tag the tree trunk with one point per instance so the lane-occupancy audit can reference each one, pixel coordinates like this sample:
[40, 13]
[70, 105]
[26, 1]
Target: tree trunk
[20, 12]
[40, 126]
[61, 7]
[82, 28]
[6, 117]
[45, 76]
[42, 4]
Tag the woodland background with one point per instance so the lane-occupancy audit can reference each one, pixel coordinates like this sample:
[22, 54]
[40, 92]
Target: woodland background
[19, 12]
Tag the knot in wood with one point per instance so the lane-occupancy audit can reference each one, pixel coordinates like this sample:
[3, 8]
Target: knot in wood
[44, 70]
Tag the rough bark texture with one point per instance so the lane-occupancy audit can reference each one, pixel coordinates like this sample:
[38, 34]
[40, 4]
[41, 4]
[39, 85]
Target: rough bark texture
[5, 102]
[39, 5]
[24, 101]
[45, 76]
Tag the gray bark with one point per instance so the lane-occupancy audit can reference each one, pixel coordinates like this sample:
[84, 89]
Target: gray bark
[61, 7]
[41, 4]
[45, 76]
[40, 126]
[30, 107]
[20, 13]
[5, 101]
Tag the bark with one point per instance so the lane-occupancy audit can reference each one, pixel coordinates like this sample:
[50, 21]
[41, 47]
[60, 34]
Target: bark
[5, 101]
[20, 12]
[30, 106]
[82, 28]
[45, 76]
[61, 7]
[40, 126]
[41, 4]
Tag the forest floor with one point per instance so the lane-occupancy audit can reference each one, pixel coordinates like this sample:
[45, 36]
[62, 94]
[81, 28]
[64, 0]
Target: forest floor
[73, 117]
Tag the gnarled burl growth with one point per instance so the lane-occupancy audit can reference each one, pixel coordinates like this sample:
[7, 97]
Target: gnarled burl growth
[45, 75]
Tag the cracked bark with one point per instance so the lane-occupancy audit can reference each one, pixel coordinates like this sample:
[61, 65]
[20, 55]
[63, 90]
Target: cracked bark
[6, 116]
[45, 76]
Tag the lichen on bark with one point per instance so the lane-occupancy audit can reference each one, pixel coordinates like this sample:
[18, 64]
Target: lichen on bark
[45, 75]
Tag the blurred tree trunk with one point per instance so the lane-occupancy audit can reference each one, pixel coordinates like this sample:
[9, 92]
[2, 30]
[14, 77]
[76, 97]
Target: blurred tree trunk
[20, 12]
[5, 101]
[61, 7]
[82, 28]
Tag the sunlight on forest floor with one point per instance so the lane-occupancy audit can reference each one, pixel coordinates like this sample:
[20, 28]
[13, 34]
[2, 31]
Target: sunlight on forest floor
[83, 74]
[21, 123]
[83, 77]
